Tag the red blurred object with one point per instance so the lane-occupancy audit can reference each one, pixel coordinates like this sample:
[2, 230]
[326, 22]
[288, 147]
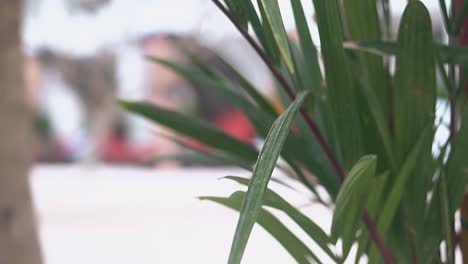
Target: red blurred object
[235, 124]
[117, 149]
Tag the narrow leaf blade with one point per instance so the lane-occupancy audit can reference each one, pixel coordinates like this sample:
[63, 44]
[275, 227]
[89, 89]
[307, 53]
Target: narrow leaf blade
[295, 247]
[351, 201]
[196, 129]
[314, 231]
[341, 95]
[263, 169]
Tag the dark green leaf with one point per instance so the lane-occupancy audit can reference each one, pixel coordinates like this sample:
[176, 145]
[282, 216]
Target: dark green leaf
[373, 206]
[341, 93]
[213, 81]
[414, 101]
[457, 167]
[363, 24]
[373, 80]
[197, 155]
[447, 218]
[400, 185]
[197, 129]
[390, 207]
[309, 52]
[194, 158]
[445, 15]
[236, 8]
[249, 88]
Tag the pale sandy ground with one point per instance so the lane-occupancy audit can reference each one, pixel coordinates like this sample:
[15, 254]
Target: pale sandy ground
[118, 215]
[100, 215]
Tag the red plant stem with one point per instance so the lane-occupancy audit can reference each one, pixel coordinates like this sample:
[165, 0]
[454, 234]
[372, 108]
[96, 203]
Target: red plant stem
[374, 233]
[371, 226]
[411, 236]
[323, 144]
[462, 39]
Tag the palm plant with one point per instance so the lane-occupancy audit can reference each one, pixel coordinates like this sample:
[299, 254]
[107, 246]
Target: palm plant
[363, 130]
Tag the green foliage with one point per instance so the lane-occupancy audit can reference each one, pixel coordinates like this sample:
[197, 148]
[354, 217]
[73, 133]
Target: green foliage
[273, 200]
[457, 167]
[261, 175]
[272, 20]
[340, 92]
[298, 250]
[366, 133]
[459, 54]
[197, 129]
[352, 200]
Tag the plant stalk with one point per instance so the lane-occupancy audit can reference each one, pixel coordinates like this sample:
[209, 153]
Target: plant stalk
[374, 233]
[387, 19]
[447, 224]
[453, 114]
[370, 224]
[464, 226]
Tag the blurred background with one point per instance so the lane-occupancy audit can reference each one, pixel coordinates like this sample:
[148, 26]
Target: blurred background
[103, 185]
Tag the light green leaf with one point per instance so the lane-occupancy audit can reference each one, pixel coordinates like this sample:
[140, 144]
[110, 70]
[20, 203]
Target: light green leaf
[381, 48]
[298, 250]
[275, 22]
[351, 201]
[270, 46]
[263, 169]
[459, 54]
[272, 199]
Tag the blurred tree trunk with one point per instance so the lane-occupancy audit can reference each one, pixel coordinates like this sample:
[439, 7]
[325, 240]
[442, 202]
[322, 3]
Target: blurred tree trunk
[18, 238]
